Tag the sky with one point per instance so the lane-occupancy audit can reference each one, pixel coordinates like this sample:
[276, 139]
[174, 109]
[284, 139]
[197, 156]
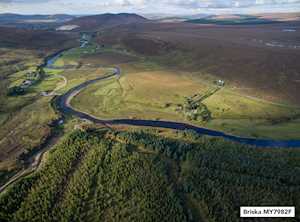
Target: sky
[81, 7]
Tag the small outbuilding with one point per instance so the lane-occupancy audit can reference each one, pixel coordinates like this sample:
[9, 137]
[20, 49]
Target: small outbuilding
[26, 84]
[220, 82]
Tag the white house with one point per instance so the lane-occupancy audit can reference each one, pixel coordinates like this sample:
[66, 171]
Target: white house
[221, 82]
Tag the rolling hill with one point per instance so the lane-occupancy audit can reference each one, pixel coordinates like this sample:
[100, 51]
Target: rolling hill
[106, 20]
[74, 148]
[260, 63]
[255, 19]
[35, 22]
[8, 18]
[38, 39]
[233, 20]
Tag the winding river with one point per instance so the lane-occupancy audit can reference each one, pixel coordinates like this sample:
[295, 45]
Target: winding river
[64, 106]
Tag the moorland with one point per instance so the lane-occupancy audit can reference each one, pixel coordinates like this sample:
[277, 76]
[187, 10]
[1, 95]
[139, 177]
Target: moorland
[242, 79]
[174, 69]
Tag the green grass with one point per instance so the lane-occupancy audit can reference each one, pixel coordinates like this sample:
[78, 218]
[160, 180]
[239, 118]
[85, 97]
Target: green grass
[133, 92]
[53, 71]
[24, 119]
[48, 84]
[15, 114]
[227, 104]
[72, 56]
[143, 92]
[257, 128]
[25, 128]
[147, 85]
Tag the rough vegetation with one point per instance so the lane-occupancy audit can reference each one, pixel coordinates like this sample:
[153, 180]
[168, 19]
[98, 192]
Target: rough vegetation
[149, 90]
[245, 56]
[168, 71]
[107, 20]
[24, 114]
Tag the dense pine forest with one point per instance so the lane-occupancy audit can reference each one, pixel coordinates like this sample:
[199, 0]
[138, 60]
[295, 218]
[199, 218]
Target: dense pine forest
[145, 175]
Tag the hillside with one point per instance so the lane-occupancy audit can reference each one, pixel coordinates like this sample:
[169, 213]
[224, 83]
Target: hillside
[9, 18]
[106, 20]
[37, 39]
[258, 62]
[255, 19]
[23, 125]
[100, 175]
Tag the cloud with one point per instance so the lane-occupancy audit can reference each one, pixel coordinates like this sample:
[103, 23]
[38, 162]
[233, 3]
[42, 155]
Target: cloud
[180, 6]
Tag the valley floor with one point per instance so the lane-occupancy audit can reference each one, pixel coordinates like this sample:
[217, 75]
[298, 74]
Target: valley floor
[62, 168]
[147, 90]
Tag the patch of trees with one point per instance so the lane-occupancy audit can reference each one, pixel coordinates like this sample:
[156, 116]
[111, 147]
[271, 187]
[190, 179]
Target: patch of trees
[134, 187]
[90, 178]
[172, 148]
[52, 178]
[32, 78]
[107, 176]
[225, 175]
[12, 199]
[75, 199]
[16, 91]
[194, 108]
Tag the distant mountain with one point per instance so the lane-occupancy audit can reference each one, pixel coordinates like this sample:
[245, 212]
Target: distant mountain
[106, 20]
[247, 19]
[165, 16]
[37, 22]
[17, 18]
[44, 41]
[234, 19]
[174, 18]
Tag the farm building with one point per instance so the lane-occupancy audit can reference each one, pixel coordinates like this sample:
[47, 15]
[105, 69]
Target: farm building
[220, 82]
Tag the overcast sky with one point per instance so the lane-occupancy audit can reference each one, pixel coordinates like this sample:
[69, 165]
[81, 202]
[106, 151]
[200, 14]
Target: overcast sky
[148, 6]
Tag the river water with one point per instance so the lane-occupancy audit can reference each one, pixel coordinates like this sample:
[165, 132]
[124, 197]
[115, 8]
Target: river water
[66, 109]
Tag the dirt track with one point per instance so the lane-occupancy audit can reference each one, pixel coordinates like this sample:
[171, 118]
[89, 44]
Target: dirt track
[34, 163]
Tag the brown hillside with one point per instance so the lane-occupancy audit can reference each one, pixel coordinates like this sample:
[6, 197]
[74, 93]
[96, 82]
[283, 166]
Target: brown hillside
[106, 21]
[36, 40]
[259, 60]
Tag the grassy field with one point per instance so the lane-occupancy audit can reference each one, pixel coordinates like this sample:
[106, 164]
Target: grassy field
[15, 63]
[71, 57]
[92, 56]
[148, 83]
[147, 90]
[241, 55]
[25, 118]
[132, 93]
